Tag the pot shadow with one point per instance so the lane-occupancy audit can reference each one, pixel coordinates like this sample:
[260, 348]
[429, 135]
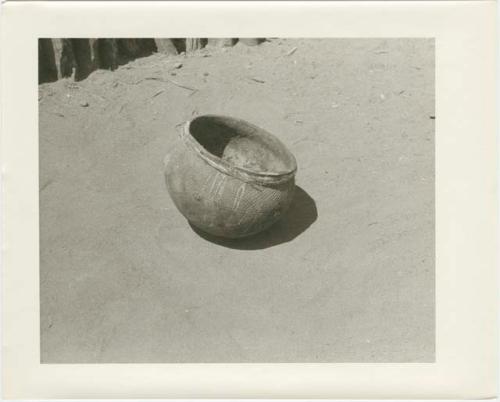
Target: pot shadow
[301, 214]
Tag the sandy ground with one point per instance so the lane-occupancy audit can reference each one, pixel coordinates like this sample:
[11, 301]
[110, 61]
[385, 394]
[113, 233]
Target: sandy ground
[347, 276]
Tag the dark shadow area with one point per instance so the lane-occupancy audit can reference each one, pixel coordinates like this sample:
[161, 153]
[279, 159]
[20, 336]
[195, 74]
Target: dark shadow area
[47, 70]
[180, 44]
[131, 49]
[241, 144]
[84, 60]
[299, 217]
[58, 58]
[55, 59]
[213, 135]
[62, 57]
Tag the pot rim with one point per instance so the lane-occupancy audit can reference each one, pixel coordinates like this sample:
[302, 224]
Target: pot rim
[241, 173]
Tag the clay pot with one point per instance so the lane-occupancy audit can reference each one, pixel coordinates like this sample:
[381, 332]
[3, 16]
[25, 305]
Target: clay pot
[228, 177]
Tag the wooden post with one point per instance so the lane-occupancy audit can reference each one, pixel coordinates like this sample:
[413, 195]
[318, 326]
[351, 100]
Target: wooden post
[47, 70]
[128, 48]
[86, 57]
[64, 57]
[165, 46]
[193, 44]
[108, 53]
[94, 52]
[251, 41]
[221, 42]
[147, 46]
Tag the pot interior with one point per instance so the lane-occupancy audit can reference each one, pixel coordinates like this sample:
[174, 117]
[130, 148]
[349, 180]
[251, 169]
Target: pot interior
[242, 145]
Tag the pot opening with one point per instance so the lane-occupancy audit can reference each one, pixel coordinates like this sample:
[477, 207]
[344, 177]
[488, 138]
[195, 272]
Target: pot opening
[242, 145]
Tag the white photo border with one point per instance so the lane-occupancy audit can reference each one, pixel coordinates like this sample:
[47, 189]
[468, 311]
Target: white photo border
[466, 198]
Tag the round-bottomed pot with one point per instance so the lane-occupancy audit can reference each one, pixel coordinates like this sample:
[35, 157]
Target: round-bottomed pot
[228, 177]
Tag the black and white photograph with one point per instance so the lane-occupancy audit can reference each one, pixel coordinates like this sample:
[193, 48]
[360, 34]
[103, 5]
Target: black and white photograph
[249, 200]
[237, 200]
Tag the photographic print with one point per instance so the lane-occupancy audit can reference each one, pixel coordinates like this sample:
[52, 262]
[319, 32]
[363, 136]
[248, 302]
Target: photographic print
[237, 200]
